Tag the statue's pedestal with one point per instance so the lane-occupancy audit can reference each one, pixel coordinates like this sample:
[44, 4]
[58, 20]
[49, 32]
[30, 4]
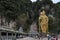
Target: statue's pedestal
[43, 34]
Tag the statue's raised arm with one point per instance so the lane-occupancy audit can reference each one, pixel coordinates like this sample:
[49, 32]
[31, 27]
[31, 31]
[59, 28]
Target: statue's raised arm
[40, 19]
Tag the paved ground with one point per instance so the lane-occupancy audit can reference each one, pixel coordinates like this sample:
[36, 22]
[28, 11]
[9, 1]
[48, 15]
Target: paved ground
[30, 38]
[58, 38]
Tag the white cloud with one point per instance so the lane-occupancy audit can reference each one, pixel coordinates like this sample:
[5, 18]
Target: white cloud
[54, 1]
[33, 0]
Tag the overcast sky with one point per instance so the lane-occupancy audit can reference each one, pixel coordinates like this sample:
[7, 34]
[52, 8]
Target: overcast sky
[54, 1]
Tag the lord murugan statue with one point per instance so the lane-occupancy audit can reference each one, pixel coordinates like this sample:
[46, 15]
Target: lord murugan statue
[43, 22]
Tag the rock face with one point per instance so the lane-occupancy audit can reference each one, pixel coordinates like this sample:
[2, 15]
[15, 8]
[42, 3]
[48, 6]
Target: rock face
[21, 30]
[3, 22]
[12, 24]
[0, 20]
[33, 28]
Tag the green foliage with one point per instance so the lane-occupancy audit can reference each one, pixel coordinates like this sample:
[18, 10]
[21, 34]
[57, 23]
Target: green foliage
[22, 19]
[25, 12]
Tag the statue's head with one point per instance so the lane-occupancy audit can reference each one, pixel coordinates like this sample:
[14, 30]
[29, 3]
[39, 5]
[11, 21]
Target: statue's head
[43, 12]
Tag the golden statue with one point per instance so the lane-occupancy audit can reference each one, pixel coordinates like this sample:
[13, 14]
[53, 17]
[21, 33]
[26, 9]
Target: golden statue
[43, 22]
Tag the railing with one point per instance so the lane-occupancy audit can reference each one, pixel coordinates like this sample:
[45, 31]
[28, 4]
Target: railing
[14, 37]
[7, 30]
[7, 38]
